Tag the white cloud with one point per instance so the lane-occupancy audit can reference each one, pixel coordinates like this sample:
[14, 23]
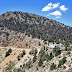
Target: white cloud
[50, 6]
[57, 17]
[55, 5]
[56, 13]
[63, 8]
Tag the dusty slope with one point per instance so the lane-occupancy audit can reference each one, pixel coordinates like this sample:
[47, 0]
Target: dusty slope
[13, 56]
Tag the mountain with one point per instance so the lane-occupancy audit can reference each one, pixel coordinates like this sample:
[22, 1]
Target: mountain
[32, 43]
[15, 24]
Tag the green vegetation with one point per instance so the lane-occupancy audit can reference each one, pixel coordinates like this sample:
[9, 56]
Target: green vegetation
[69, 47]
[9, 67]
[51, 56]
[5, 48]
[68, 52]
[44, 56]
[45, 42]
[53, 66]
[19, 70]
[8, 52]
[21, 55]
[45, 48]
[40, 63]
[38, 27]
[0, 55]
[18, 57]
[33, 51]
[28, 64]
[62, 61]
[66, 44]
[41, 53]
[57, 51]
[66, 48]
[23, 70]
[34, 58]
[64, 67]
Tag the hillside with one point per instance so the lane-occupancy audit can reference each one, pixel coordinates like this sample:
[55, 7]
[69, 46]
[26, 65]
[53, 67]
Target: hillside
[14, 26]
[32, 43]
[35, 60]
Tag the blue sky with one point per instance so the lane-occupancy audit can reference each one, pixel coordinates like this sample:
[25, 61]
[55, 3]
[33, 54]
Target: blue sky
[59, 10]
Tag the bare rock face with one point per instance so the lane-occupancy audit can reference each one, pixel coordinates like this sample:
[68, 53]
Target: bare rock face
[14, 26]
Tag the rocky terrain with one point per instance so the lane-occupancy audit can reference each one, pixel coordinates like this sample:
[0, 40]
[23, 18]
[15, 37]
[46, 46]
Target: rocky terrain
[15, 25]
[25, 41]
[35, 60]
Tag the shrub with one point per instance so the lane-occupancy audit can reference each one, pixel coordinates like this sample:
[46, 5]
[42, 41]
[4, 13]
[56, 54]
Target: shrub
[23, 70]
[46, 48]
[39, 44]
[66, 48]
[64, 67]
[34, 58]
[46, 57]
[57, 51]
[42, 52]
[45, 42]
[68, 52]
[69, 47]
[23, 65]
[21, 55]
[20, 65]
[8, 52]
[18, 57]
[23, 52]
[53, 66]
[9, 66]
[28, 64]
[62, 61]
[18, 70]
[51, 56]
[33, 51]
[40, 63]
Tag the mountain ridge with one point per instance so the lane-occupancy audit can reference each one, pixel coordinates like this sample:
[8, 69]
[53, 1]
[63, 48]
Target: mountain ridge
[33, 14]
[37, 26]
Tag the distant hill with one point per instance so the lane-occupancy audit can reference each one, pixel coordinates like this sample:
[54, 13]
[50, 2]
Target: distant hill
[35, 25]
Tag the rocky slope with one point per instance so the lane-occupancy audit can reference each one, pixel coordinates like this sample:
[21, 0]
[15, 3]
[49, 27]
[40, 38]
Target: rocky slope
[35, 60]
[14, 26]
